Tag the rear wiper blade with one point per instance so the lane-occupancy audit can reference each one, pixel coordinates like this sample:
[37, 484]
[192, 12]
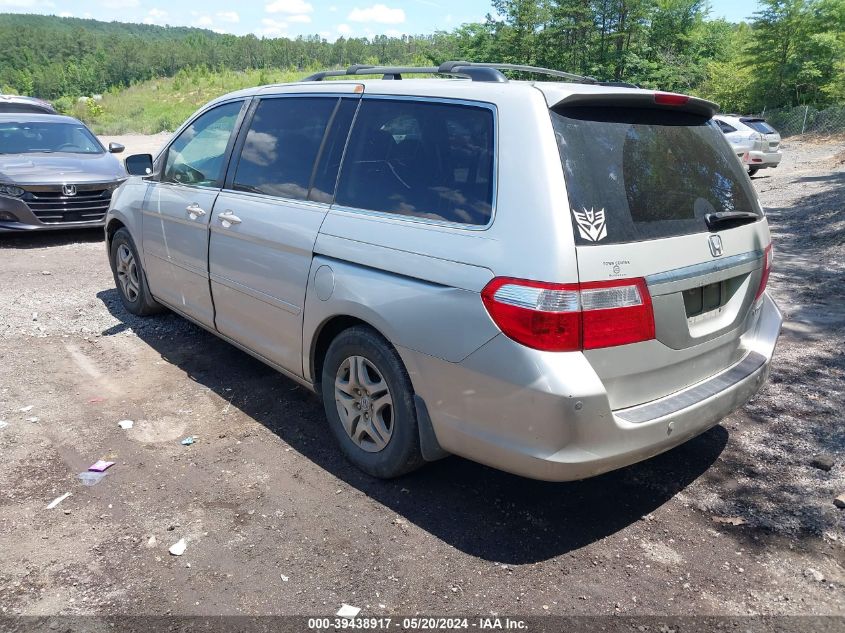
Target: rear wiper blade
[727, 219]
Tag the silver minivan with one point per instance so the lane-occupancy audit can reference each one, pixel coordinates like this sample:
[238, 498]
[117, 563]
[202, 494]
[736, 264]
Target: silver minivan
[553, 278]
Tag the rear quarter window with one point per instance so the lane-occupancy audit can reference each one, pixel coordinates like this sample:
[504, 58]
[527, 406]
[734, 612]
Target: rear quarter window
[421, 159]
[640, 174]
[727, 129]
[760, 126]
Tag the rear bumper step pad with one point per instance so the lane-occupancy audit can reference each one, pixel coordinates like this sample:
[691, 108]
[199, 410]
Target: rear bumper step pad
[695, 394]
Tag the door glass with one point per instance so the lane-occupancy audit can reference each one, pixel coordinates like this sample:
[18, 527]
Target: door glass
[282, 144]
[325, 174]
[421, 159]
[198, 155]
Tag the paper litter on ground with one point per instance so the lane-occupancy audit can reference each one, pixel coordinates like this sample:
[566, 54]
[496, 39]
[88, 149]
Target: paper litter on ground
[58, 500]
[348, 611]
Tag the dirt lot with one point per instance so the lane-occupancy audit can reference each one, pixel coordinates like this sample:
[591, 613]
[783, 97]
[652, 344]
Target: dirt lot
[278, 523]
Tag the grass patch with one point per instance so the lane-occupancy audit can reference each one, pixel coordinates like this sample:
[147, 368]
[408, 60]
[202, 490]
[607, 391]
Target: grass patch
[162, 105]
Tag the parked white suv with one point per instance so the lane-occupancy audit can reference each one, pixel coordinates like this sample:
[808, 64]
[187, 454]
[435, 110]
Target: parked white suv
[555, 279]
[754, 141]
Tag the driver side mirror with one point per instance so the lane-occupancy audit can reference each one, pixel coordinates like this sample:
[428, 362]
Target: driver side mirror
[116, 148]
[139, 164]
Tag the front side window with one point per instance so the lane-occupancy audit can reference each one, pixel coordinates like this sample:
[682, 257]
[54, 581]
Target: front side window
[282, 144]
[35, 137]
[639, 174]
[198, 155]
[422, 159]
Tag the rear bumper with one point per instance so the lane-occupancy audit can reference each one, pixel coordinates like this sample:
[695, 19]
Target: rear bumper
[762, 160]
[546, 416]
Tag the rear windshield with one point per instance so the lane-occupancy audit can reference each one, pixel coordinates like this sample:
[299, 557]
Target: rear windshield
[639, 174]
[17, 108]
[758, 125]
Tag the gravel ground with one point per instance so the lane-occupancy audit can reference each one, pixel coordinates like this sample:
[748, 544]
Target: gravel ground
[737, 521]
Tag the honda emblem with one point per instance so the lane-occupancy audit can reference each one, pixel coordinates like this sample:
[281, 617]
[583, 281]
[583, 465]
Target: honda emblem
[69, 190]
[716, 245]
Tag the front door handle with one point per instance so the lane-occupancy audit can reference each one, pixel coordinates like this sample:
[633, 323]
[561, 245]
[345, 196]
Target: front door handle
[228, 218]
[195, 210]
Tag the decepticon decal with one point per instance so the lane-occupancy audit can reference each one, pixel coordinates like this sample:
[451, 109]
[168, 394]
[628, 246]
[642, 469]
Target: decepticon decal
[591, 224]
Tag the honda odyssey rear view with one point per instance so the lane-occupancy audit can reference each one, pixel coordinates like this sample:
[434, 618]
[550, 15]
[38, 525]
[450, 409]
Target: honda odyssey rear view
[553, 278]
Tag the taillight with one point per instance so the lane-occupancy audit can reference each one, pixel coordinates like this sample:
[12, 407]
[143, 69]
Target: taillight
[571, 317]
[670, 99]
[616, 313]
[767, 268]
[536, 314]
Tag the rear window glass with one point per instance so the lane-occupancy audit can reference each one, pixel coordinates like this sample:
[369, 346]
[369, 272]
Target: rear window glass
[759, 126]
[24, 107]
[639, 174]
[422, 159]
[727, 129]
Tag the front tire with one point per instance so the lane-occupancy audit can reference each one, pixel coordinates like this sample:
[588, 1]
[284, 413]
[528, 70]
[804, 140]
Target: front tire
[129, 276]
[369, 404]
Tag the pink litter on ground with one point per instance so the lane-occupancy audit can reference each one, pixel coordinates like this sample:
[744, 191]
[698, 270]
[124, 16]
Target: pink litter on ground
[97, 399]
[100, 466]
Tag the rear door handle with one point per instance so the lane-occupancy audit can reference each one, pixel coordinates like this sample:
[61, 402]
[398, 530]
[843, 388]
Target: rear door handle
[195, 209]
[228, 218]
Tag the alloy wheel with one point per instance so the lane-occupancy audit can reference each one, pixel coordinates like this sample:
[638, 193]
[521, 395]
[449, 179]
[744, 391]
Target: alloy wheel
[127, 273]
[364, 404]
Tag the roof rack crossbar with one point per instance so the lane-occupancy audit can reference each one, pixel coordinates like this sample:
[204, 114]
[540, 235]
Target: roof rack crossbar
[392, 72]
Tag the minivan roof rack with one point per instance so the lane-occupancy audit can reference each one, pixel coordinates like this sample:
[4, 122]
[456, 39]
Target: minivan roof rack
[537, 70]
[476, 71]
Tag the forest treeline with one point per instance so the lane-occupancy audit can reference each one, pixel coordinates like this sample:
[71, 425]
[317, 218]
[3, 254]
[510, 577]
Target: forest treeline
[792, 52]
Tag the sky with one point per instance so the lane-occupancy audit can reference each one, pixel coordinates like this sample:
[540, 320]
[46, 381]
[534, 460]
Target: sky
[276, 18]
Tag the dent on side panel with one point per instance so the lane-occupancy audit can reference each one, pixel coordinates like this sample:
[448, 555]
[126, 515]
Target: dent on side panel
[425, 316]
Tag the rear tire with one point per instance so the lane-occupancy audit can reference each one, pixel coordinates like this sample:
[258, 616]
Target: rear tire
[752, 171]
[369, 404]
[129, 276]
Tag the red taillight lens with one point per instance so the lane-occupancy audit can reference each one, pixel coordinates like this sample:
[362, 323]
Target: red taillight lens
[570, 317]
[536, 314]
[767, 268]
[670, 99]
[616, 313]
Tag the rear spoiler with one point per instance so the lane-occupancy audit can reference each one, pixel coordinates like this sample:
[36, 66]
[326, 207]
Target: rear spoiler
[641, 99]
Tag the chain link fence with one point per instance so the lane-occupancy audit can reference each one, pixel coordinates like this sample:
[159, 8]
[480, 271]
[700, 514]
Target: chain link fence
[806, 120]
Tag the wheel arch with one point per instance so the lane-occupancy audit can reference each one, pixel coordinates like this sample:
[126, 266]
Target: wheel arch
[113, 226]
[326, 332]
